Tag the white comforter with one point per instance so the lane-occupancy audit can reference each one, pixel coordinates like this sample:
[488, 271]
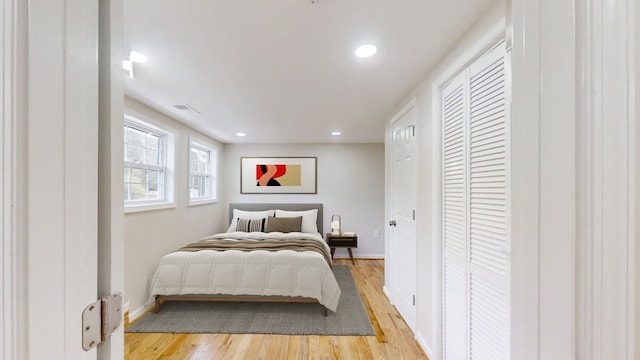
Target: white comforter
[260, 272]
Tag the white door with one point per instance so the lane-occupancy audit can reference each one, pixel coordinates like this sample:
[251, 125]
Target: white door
[489, 208]
[454, 241]
[50, 126]
[476, 202]
[403, 206]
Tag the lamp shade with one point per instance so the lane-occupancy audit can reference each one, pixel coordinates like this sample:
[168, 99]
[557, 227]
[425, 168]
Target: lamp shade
[336, 224]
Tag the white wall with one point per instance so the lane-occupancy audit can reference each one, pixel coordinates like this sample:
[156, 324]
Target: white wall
[151, 234]
[487, 30]
[350, 182]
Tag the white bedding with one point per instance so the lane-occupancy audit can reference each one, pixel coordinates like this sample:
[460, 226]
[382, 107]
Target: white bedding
[260, 272]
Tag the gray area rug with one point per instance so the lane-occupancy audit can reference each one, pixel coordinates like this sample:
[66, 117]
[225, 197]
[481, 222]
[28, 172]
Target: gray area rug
[186, 317]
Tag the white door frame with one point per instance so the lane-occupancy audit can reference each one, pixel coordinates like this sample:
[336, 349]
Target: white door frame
[543, 180]
[110, 154]
[12, 253]
[607, 185]
[61, 177]
[49, 151]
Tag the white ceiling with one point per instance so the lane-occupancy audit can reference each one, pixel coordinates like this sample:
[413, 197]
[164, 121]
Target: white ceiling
[283, 71]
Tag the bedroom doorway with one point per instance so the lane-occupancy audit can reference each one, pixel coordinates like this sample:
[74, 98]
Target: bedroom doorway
[403, 214]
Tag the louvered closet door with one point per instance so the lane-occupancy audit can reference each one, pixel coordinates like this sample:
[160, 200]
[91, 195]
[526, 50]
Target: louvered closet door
[476, 264]
[454, 106]
[488, 209]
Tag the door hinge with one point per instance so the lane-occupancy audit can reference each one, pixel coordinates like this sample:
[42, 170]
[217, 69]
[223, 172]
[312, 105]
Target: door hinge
[413, 130]
[414, 300]
[101, 319]
[414, 214]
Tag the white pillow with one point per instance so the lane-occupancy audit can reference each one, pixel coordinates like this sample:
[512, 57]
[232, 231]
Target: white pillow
[309, 218]
[249, 215]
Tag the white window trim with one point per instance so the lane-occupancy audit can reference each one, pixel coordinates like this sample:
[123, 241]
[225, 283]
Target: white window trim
[140, 121]
[202, 144]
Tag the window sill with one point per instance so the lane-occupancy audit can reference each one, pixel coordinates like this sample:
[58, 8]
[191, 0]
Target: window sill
[148, 207]
[202, 202]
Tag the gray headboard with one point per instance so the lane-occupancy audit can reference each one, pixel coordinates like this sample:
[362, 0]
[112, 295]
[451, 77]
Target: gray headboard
[270, 206]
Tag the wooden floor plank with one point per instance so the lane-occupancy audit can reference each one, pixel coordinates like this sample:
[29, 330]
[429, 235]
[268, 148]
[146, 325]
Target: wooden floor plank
[393, 340]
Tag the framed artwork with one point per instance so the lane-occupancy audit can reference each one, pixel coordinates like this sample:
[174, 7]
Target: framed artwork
[278, 175]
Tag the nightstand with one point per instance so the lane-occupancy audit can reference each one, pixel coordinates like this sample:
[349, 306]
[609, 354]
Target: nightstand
[342, 240]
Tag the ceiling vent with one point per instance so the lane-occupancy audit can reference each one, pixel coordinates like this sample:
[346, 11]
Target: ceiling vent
[187, 107]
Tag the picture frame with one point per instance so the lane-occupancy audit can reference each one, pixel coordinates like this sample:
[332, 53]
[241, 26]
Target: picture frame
[278, 175]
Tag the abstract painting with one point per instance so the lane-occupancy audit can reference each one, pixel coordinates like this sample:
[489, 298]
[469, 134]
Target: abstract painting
[284, 175]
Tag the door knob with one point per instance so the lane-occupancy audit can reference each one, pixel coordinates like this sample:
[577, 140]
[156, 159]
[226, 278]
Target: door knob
[392, 223]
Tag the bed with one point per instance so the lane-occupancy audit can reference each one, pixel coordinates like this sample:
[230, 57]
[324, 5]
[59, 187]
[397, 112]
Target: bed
[270, 252]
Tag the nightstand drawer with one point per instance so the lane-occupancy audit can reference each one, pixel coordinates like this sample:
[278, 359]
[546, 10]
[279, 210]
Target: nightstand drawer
[344, 242]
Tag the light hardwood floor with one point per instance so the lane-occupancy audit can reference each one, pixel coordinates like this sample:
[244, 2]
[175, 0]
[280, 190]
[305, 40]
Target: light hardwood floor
[394, 340]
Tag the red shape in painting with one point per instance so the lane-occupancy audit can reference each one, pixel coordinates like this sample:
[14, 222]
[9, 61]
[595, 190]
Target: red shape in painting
[267, 174]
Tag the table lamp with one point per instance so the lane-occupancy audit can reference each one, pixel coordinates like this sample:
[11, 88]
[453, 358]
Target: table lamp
[336, 224]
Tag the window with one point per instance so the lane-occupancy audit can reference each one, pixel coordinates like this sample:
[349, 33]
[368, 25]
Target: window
[147, 166]
[202, 172]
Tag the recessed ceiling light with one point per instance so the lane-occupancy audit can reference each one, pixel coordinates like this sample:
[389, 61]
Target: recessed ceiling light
[241, 134]
[366, 51]
[336, 133]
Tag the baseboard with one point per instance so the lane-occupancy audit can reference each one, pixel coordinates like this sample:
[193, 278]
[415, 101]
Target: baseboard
[423, 344]
[387, 293]
[139, 313]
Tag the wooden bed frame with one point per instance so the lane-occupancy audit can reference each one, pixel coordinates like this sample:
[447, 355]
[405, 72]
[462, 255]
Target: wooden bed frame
[252, 298]
[234, 298]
